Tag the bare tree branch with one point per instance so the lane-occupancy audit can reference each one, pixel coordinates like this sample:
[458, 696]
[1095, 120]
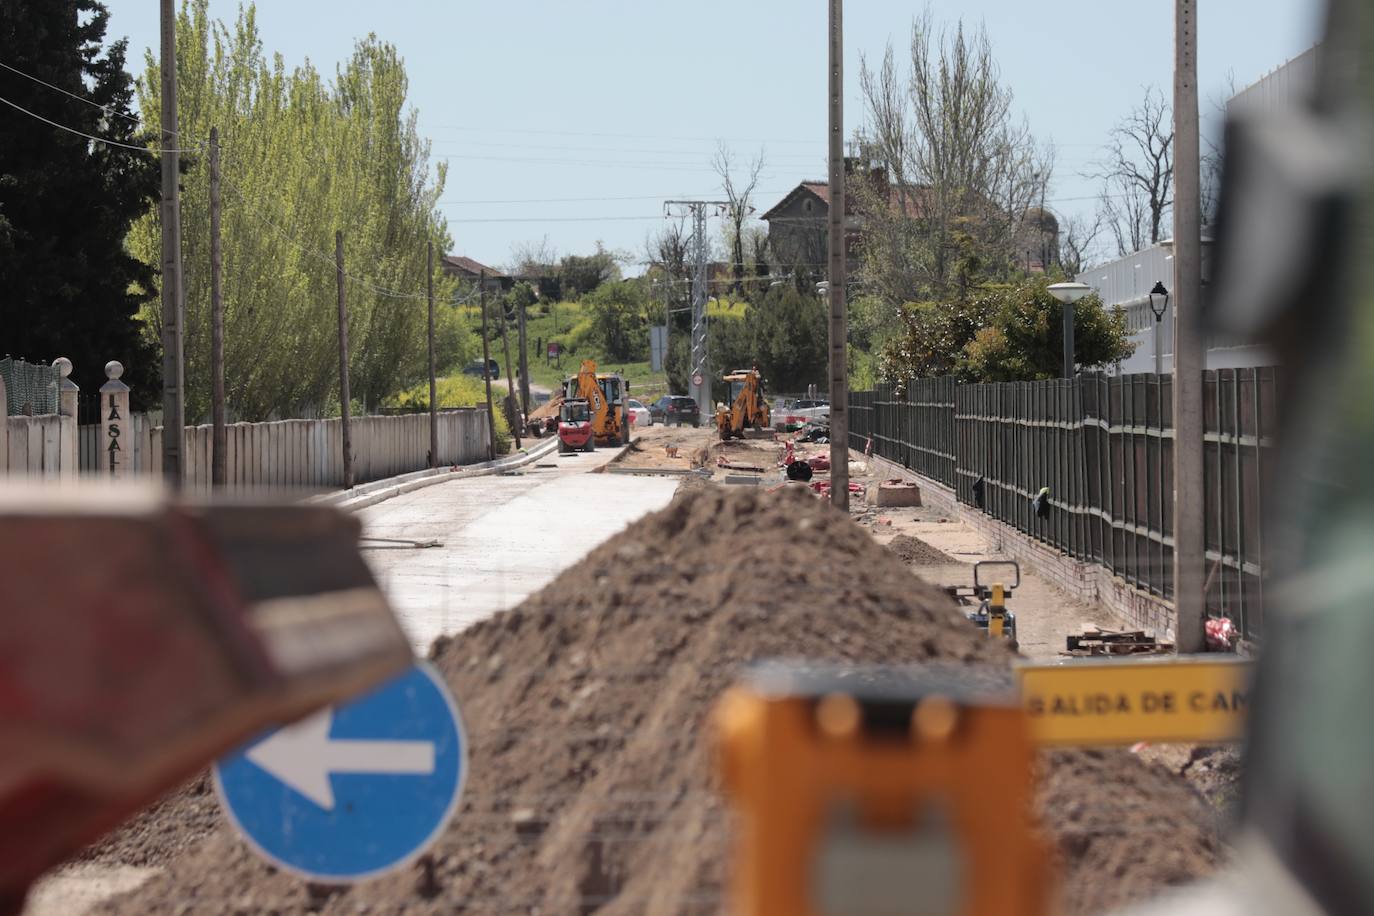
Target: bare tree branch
[740, 207]
[1137, 175]
[961, 172]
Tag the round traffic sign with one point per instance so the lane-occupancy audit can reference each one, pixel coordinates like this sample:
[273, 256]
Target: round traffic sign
[698, 379]
[354, 791]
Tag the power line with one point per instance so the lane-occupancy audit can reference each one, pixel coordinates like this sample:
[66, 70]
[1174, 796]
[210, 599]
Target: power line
[378, 290]
[584, 200]
[109, 110]
[619, 149]
[93, 137]
[623, 136]
[655, 166]
[561, 219]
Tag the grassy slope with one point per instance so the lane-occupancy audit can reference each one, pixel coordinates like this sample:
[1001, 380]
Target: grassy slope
[566, 324]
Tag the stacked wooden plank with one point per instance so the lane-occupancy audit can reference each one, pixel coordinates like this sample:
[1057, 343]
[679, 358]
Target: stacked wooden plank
[1097, 641]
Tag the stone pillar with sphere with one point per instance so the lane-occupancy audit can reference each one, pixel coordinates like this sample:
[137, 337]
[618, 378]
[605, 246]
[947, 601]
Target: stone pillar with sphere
[116, 440]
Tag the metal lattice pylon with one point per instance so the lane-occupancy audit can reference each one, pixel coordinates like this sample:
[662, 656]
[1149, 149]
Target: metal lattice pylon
[700, 361]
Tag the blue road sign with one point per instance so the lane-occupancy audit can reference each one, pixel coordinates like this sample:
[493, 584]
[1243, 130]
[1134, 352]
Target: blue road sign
[356, 790]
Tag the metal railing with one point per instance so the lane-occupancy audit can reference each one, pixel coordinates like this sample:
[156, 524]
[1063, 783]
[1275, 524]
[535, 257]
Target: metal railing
[1104, 448]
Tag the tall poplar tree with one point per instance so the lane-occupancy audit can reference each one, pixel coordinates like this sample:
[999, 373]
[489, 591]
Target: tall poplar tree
[304, 155]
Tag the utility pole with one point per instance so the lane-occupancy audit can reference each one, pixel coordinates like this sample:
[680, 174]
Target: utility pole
[839, 321]
[433, 395]
[510, 380]
[1189, 600]
[345, 399]
[667, 323]
[173, 313]
[486, 365]
[1069, 319]
[524, 363]
[699, 366]
[218, 434]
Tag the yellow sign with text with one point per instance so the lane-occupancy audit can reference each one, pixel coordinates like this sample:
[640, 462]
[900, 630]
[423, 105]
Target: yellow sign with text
[1118, 701]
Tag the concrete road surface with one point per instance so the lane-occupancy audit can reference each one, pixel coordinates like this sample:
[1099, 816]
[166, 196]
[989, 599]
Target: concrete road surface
[499, 538]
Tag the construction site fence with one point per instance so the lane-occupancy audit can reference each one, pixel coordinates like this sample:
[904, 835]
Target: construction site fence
[304, 454]
[1104, 448]
[31, 389]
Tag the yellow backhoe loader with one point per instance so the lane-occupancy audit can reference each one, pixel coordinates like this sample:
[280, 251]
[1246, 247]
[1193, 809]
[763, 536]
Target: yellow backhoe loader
[747, 408]
[605, 395]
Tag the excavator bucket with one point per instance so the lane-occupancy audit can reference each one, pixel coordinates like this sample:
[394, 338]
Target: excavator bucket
[140, 639]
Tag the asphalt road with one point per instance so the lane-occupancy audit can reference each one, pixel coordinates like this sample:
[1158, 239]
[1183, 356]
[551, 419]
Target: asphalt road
[496, 539]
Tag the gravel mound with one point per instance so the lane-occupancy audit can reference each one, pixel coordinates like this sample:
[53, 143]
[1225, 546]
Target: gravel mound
[591, 786]
[916, 552]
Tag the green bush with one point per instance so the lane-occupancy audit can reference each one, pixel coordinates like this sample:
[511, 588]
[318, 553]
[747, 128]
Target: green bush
[457, 391]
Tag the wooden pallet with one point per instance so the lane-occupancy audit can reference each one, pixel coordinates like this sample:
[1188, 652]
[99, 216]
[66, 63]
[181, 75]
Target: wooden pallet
[1097, 641]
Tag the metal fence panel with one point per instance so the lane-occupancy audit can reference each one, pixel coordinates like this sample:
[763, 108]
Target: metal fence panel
[1104, 448]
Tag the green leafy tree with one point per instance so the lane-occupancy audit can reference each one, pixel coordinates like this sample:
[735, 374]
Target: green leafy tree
[790, 338]
[931, 338]
[580, 274]
[1025, 339]
[303, 156]
[731, 344]
[454, 343]
[619, 325]
[68, 287]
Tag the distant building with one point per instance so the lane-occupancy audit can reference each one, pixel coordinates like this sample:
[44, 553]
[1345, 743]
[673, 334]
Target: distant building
[799, 233]
[1125, 283]
[798, 228]
[1280, 89]
[798, 225]
[469, 271]
[1037, 246]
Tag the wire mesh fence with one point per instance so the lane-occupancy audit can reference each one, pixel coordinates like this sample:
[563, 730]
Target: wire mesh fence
[1103, 446]
[30, 389]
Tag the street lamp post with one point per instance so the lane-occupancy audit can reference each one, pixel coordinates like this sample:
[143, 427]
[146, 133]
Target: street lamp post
[1069, 293]
[1159, 303]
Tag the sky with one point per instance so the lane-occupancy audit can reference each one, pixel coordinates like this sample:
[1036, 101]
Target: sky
[573, 120]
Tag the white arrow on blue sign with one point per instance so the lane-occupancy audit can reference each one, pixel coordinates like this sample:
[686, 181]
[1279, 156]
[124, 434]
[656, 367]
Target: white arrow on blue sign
[356, 790]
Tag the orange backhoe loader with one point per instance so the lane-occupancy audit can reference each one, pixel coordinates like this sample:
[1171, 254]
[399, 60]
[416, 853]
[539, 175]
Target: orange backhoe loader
[747, 407]
[605, 395]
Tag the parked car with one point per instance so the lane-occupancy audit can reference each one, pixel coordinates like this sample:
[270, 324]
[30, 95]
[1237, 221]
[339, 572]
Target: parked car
[674, 410]
[475, 368]
[638, 413]
[800, 412]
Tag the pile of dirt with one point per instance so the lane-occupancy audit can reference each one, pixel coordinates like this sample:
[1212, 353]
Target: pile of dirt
[1124, 829]
[591, 786]
[916, 552]
[163, 831]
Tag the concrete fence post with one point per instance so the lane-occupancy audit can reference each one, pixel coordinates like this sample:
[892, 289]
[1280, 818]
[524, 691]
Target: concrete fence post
[67, 390]
[68, 394]
[116, 448]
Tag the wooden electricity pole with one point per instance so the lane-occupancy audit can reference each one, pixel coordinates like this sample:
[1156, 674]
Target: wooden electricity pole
[510, 380]
[173, 313]
[1189, 600]
[218, 434]
[839, 336]
[345, 399]
[433, 385]
[524, 364]
[486, 366]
